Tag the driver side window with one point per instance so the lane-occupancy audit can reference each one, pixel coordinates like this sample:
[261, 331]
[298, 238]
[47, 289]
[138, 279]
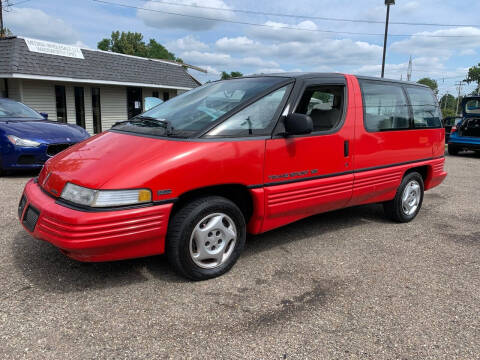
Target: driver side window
[255, 119]
[324, 104]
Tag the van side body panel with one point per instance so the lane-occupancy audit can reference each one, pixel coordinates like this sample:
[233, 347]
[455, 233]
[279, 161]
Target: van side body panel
[306, 175]
[382, 158]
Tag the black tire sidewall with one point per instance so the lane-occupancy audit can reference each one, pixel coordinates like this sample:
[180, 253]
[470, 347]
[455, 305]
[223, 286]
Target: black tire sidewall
[196, 212]
[400, 215]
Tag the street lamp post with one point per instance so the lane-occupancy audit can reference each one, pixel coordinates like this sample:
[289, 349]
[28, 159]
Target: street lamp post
[388, 3]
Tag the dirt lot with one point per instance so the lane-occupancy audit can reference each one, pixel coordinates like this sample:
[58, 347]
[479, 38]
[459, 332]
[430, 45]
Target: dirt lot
[347, 284]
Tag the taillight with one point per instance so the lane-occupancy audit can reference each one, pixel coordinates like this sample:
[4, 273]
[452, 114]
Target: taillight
[454, 128]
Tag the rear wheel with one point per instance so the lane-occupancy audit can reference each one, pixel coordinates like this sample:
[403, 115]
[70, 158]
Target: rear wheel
[205, 237]
[452, 149]
[408, 199]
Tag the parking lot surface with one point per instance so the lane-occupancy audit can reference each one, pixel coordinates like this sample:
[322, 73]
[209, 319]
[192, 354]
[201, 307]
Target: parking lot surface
[343, 285]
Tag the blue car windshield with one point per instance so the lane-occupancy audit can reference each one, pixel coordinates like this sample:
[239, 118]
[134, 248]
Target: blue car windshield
[16, 110]
[199, 108]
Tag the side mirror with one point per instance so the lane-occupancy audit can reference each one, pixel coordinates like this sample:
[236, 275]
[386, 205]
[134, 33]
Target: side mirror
[45, 115]
[298, 124]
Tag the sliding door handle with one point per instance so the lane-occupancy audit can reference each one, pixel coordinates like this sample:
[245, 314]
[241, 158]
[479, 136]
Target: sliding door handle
[346, 149]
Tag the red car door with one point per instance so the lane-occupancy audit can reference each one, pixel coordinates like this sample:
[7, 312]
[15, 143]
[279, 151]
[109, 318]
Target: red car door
[309, 174]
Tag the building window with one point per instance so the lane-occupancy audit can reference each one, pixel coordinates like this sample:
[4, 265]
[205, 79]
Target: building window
[166, 95]
[96, 112]
[79, 106]
[155, 94]
[61, 102]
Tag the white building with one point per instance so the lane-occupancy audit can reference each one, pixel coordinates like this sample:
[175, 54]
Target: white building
[91, 88]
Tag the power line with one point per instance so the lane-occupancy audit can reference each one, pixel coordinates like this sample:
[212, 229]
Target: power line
[255, 12]
[278, 27]
[20, 2]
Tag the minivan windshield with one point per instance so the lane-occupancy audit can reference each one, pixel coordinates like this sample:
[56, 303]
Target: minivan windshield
[197, 109]
[14, 110]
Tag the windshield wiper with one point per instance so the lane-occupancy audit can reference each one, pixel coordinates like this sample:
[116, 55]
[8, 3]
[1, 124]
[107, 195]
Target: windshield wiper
[149, 120]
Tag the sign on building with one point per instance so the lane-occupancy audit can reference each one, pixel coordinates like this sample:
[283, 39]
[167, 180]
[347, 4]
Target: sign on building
[47, 47]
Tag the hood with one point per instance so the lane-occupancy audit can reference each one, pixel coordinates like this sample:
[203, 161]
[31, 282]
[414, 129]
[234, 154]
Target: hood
[114, 160]
[167, 166]
[44, 131]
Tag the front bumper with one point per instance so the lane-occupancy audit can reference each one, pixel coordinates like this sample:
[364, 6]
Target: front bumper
[95, 235]
[17, 157]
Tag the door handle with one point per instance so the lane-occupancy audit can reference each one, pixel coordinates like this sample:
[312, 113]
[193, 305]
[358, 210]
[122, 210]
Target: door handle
[346, 149]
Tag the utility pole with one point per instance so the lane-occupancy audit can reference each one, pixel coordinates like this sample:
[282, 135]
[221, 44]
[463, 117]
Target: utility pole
[388, 3]
[409, 72]
[459, 84]
[445, 99]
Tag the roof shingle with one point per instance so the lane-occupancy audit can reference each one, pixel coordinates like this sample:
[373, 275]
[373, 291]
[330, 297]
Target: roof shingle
[96, 65]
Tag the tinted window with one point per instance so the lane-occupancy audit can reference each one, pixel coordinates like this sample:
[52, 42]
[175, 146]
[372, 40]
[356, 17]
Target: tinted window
[324, 104]
[61, 103]
[426, 113]
[472, 106]
[255, 119]
[385, 106]
[79, 106]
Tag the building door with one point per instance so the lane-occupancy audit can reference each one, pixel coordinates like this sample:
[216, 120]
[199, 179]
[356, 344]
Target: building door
[309, 174]
[134, 101]
[79, 106]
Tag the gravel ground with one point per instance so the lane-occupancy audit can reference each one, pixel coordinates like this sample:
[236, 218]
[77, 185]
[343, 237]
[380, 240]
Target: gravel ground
[342, 285]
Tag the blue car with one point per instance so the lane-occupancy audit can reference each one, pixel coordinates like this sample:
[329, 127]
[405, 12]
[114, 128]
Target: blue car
[466, 135]
[28, 139]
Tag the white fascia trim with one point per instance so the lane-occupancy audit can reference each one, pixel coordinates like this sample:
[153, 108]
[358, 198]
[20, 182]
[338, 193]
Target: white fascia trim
[90, 81]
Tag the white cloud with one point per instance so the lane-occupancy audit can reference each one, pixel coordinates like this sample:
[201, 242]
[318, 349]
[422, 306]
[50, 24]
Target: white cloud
[187, 43]
[161, 15]
[277, 31]
[226, 61]
[237, 44]
[37, 24]
[458, 39]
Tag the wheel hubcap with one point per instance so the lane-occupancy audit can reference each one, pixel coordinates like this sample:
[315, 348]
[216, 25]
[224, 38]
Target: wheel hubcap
[213, 240]
[411, 197]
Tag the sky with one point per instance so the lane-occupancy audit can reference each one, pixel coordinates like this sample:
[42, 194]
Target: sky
[218, 38]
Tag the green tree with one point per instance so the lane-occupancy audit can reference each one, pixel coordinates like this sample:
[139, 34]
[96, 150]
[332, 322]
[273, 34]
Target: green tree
[432, 84]
[132, 43]
[233, 74]
[448, 113]
[474, 76]
[158, 51]
[448, 101]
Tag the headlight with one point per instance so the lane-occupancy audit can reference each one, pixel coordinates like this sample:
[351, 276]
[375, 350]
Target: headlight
[15, 140]
[103, 198]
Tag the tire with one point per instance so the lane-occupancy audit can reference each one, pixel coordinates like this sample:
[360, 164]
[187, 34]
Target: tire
[205, 227]
[396, 209]
[452, 149]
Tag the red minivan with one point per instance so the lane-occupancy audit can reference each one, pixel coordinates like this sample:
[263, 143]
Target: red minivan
[192, 176]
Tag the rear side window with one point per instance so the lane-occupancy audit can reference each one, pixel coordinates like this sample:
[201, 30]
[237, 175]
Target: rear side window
[385, 106]
[426, 112]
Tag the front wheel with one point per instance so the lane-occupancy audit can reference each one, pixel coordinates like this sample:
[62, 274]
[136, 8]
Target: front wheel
[205, 237]
[408, 199]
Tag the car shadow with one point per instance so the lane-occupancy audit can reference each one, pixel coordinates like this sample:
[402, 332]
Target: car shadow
[45, 267]
[17, 174]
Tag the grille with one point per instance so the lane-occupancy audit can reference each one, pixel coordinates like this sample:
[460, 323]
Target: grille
[21, 206]
[30, 219]
[54, 149]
